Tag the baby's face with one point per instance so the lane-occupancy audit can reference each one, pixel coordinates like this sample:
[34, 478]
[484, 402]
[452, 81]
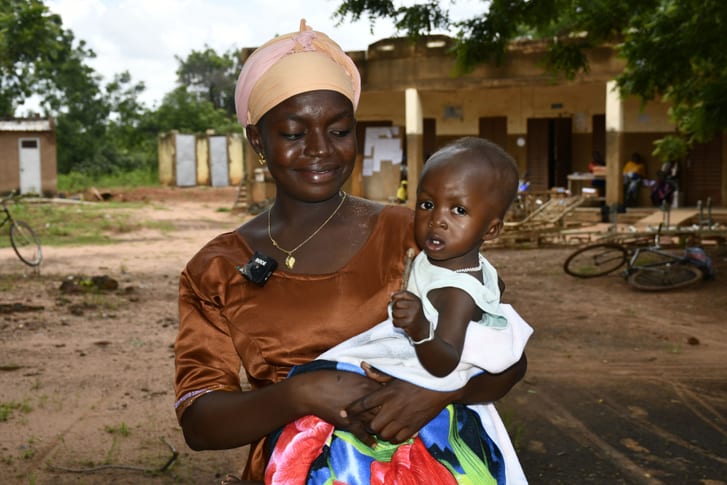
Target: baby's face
[456, 210]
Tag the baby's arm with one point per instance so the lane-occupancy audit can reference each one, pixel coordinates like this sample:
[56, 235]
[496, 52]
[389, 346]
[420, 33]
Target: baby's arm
[438, 351]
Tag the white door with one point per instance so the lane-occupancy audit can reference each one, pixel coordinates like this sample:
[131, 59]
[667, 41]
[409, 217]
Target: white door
[29, 165]
[186, 161]
[219, 169]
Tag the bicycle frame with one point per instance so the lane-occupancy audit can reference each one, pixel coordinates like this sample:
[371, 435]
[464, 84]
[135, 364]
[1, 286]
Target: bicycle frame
[663, 258]
[23, 239]
[652, 269]
[648, 267]
[8, 216]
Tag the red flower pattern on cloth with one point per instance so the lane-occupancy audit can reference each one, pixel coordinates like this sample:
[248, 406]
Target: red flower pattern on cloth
[300, 443]
[411, 465]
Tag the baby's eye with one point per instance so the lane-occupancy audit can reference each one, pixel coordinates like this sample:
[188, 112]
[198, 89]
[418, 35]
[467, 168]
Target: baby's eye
[459, 210]
[292, 136]
[426, 205]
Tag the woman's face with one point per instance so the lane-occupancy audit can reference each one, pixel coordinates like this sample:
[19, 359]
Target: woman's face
[309, 143]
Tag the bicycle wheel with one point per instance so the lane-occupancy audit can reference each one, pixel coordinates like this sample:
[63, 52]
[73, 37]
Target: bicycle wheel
[25, 243]
[595, 260]
[664, 277]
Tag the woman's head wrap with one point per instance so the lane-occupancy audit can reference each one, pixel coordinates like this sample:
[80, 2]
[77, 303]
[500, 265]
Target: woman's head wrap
[292, 64]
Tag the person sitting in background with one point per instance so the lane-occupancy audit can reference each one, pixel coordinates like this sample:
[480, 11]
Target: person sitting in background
[634, 172]
[597, 168]
[665, 186]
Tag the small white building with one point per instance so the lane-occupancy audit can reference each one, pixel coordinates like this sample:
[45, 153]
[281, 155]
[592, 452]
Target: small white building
[28, 162]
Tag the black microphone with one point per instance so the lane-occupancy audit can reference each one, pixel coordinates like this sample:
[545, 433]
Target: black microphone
[258, 269]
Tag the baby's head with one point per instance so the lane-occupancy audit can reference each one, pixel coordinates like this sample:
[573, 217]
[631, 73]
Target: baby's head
[493, 171]
[463, 194]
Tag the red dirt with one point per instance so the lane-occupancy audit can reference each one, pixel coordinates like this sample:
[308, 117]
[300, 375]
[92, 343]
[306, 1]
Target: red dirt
[622, 386]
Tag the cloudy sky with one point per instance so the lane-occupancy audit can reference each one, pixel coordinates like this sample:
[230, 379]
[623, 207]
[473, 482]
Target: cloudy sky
[144, 36]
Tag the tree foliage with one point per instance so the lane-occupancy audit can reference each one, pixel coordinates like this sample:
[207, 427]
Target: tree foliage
[37, 55]
[673, 49]
[104, 128]
[184, 111]
[211, 76]
[95, 124]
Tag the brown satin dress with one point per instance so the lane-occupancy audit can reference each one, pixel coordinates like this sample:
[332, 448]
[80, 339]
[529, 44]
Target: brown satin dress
[227, 323]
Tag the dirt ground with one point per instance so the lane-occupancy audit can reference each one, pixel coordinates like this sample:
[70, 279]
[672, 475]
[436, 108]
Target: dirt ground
[622, 386]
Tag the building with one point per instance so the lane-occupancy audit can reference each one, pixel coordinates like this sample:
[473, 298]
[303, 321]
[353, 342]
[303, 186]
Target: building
[550, 126]
[28, 161]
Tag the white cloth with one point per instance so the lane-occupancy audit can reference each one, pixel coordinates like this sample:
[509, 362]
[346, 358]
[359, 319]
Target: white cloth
[493, 344]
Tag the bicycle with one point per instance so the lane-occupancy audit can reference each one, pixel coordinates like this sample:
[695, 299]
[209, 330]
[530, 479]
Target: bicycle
[23, 238]
[648, 268]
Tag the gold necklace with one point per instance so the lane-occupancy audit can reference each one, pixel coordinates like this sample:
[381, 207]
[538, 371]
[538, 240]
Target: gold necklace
[290, 259]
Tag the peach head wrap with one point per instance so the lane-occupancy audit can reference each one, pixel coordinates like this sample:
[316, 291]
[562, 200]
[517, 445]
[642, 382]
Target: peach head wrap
[291, 64]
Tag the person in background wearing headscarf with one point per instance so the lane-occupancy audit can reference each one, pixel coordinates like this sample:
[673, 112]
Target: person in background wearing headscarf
[314, 270]
[634, 172]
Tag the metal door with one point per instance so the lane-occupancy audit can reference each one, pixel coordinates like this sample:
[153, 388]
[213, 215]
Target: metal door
[549, 152]
[186, 160]
[30, 178]
[219, 167]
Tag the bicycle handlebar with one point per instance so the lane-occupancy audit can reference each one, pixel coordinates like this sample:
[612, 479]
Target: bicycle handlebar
[11, 196]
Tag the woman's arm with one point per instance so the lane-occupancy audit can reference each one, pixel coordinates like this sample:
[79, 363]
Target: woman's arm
[491, 387]
[384, 406]
[223, 420]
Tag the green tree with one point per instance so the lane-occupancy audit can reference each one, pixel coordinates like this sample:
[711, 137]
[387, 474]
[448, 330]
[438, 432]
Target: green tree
[184, 111]
[37, 56]
[673, 49]
[96, 125]
[211, 76]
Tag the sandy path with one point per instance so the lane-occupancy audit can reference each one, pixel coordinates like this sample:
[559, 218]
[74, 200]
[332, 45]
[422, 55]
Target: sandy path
[622, 387]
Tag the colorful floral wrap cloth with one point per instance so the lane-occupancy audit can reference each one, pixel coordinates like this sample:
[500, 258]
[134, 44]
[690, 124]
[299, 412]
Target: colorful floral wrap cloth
[453, 448]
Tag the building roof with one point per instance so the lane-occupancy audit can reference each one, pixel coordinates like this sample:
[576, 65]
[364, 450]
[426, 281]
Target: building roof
[26, 125]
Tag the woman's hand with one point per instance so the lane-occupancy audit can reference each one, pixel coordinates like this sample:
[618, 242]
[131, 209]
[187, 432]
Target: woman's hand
[382, 410]
[325, 393]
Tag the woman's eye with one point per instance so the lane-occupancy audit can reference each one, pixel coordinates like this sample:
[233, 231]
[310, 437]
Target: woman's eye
[292, 136]
[341, 133]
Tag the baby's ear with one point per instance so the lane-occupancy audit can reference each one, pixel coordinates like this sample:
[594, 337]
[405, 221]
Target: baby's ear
[494, 230]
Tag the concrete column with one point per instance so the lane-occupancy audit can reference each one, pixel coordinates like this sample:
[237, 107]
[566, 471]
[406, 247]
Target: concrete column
[615, 151]
[414, 142]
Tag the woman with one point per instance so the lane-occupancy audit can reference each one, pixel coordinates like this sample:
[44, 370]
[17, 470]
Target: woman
[340, 258]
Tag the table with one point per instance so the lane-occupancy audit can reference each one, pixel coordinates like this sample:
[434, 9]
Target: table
[582, 178]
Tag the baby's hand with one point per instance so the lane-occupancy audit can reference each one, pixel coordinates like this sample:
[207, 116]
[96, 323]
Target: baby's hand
[408, 315]
[375, 374]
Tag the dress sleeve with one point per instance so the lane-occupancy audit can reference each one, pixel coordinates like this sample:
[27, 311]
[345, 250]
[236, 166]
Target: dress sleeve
[205, 357]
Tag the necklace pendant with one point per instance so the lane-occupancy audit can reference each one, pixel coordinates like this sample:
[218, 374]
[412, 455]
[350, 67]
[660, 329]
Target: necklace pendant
[290, 261]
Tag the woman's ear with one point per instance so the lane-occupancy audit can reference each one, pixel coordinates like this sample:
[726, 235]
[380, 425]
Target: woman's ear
[253, 136]
[494, 230]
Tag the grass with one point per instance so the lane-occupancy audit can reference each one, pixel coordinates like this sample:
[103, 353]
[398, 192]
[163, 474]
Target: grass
[7, 409]
[78, 182]
[116, 431]
[79, 224]
[122, 429]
